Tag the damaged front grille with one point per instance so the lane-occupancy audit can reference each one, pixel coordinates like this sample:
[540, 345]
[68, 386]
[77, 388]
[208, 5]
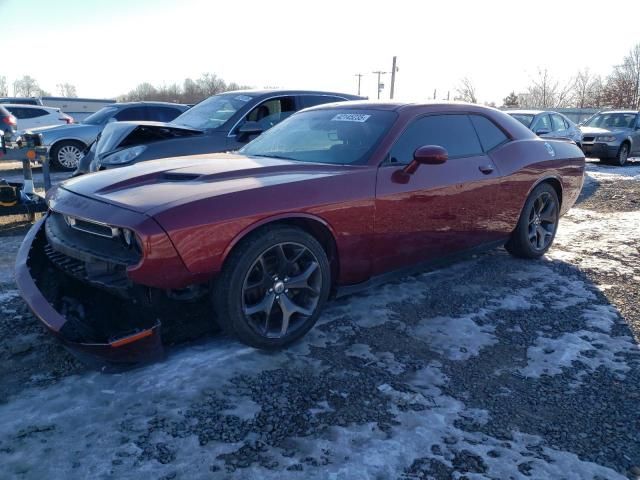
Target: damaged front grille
[103, 274]
[87, 255]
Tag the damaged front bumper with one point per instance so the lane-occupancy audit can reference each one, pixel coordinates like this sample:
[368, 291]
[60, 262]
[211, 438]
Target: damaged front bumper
[102, 329]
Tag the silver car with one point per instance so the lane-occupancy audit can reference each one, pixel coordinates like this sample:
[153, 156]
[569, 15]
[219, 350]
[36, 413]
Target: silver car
[548, 124]
[66, 143]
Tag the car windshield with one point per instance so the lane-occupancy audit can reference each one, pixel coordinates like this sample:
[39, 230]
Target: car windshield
[213, 112]
[523, 118]
[101, 116]
[339, 136]
[611, 120]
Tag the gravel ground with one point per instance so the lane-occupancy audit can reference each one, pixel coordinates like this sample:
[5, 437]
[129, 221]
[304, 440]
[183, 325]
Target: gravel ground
[491, 368]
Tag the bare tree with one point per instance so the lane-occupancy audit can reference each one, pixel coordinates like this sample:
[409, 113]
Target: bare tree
[4, 88]
[547, 92]
[191, 91]
[67, 90]
[26, 86]
[587, 92]
[466, 91]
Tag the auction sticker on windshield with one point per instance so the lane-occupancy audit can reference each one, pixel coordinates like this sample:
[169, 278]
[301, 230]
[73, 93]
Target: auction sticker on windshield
[350, 117]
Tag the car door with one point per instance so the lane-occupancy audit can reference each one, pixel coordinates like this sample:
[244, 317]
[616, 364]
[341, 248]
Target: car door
[266, 114]
[559, 128]
[439, 209]
[43, 118]
[541, 125]
[635, 137]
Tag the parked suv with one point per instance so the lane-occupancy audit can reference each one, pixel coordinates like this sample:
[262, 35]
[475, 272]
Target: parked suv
[612, 136]
[66, 143]
[35, 116]
[548, 124]
[223, 122]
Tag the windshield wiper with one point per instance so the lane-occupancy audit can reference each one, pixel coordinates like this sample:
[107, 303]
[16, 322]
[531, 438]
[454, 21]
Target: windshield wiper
[279, 157]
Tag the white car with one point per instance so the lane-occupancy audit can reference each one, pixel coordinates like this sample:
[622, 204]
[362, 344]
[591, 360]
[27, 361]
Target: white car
[34, 116]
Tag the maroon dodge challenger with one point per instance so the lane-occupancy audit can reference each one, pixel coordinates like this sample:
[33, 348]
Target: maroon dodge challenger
[331, 200]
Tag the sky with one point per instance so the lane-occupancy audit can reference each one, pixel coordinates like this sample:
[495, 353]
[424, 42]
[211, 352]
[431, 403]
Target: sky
[106, 47]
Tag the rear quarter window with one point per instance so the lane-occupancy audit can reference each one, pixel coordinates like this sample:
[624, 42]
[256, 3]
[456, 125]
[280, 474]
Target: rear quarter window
[490, 135]
[313, 100]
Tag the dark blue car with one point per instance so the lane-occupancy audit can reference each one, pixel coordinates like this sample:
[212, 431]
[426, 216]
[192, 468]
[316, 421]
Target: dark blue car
[223, 122]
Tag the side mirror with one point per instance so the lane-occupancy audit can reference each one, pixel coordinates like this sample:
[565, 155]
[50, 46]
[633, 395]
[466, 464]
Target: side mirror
[251, 128]
[543, 131]
[427, 155]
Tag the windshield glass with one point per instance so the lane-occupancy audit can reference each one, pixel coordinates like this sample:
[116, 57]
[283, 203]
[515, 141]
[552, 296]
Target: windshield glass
[612, 120]
[100, 116]
[523, 118]
[340, 136]
[213, 112]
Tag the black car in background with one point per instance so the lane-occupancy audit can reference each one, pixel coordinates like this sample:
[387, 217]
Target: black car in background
[220, 123]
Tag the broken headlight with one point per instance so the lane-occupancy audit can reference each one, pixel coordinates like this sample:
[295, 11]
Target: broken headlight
[130, 239]
[123, 156]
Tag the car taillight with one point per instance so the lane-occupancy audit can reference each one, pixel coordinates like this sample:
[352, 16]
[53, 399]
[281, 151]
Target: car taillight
[66, 118]
[10, 120]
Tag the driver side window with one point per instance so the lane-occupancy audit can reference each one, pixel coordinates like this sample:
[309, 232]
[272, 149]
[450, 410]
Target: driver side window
[453, 132]
[272, 112]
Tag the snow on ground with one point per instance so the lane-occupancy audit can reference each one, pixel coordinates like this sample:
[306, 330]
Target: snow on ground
[410, 379]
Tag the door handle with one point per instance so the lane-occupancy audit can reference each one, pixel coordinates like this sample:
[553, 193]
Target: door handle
[486, 169]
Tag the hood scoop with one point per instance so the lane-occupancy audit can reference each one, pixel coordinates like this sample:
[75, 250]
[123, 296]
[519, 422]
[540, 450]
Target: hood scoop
[180, 177]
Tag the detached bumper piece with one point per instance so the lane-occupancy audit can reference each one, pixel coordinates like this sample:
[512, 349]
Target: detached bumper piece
[103, 329]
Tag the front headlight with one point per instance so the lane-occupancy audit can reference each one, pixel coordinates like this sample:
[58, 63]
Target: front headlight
[606, 138]
[123, 156]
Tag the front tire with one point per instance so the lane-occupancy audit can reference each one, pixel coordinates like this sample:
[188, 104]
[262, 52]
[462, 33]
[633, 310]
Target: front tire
[66, 155]
[537, 225]
[623, 155]
[272, 287]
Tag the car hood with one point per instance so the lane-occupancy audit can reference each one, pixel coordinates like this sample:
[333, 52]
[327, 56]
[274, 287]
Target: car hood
[74, 127]
[128, 134]
[154, 186]
[602, 131]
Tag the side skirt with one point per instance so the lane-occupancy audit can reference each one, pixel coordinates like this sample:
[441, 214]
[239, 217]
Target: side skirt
[344, 290]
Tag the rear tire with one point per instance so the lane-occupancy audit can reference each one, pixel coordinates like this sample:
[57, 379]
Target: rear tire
[272, 287]
[66, 155]
[538, 223]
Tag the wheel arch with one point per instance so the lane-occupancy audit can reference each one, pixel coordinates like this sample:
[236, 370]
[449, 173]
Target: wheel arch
[315, 226]
[552, 180]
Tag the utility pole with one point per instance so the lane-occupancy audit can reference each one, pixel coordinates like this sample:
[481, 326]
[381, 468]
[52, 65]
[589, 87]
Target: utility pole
[359, 75]
[434, 93]
[380, 85]
[394, 69]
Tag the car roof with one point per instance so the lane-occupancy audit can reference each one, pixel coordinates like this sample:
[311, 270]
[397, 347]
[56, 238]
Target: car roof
[26, 105]
[528, 112]
[397, 106]
[160, 104]
[280, 91]
[620, 111]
